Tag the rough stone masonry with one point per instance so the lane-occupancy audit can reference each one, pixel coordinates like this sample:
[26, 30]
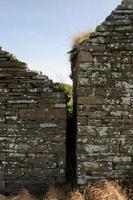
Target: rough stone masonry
[102, 70]
[32, 128]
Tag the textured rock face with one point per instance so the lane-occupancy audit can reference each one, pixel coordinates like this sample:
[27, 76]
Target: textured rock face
[128, 4]
[32, 127]
[103, 94]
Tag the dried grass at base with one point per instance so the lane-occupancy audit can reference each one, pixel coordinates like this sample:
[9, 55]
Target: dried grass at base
[75, 196]
[2, 197]
[55, 193]
[100, 191]
[23, 195]
[130, 191]
[105, 191]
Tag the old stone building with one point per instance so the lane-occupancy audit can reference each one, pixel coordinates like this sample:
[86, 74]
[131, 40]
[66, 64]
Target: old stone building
[102, 72]
[32, 127]
[33, 113]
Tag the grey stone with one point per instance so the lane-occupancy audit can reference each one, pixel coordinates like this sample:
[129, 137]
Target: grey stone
[103, 99]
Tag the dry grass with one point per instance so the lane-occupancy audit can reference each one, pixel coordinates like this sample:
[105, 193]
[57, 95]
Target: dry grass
[100, 191]
[75, 196]
[23, 195]
[105, 191]
[55, 193]
[130, 191]
[77, 39]
[2, 197]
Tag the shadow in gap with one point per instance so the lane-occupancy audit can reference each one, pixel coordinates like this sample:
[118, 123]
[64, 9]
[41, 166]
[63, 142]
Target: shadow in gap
[71, 151]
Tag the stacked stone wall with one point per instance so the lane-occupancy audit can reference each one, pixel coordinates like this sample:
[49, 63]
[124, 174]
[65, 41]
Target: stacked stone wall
[32, 128]
[102, 68]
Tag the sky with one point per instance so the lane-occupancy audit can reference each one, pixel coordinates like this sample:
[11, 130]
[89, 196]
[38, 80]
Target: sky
[40, 32]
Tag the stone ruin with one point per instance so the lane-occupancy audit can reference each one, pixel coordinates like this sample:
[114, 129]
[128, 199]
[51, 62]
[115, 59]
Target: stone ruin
[102, 72]
[33, 114]
[32, 128]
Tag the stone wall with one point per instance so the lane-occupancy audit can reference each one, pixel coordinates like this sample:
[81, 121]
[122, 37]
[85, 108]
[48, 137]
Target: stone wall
[32, 127]
[102, 70]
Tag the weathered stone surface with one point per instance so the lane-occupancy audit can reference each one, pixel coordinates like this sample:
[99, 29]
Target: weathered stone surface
[32, 128]
[85, 56]
[103, 97]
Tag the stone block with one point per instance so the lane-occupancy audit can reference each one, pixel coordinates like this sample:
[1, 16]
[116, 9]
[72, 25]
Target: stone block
[85, 56]
[91, 100]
